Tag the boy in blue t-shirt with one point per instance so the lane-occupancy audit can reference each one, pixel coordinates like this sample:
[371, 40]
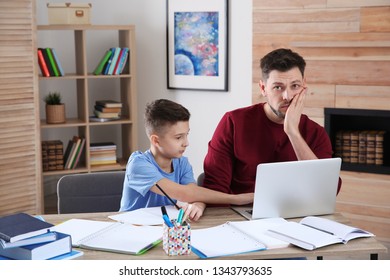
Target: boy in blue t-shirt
[167, 126]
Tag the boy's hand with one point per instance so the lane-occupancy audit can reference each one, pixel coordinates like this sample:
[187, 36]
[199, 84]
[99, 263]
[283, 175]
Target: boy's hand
[193, 211]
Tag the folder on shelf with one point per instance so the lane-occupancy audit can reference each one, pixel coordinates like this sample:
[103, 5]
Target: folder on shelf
[99, 68]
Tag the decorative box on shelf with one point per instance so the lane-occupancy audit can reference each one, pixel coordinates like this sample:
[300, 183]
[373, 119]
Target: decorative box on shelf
[69, 13]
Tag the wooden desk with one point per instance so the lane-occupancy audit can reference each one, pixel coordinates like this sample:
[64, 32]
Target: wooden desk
[217, 216]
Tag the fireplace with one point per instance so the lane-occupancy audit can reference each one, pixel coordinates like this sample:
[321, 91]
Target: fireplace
[349, 131]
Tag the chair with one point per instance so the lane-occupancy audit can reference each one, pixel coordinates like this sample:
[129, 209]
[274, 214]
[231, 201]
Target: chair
[90, 192]
[200, 179]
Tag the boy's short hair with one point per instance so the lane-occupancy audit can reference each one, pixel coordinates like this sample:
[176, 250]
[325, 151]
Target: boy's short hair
[281, 60]
[161, 113]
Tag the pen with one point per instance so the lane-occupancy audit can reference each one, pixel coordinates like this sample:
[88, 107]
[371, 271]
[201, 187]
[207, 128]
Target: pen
[165, 217]
[180, 216]
[170, 199]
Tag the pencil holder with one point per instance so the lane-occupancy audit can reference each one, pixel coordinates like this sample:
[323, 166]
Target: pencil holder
[177, 239]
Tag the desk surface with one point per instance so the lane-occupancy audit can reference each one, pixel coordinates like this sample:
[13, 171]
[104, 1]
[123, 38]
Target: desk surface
[217, 216]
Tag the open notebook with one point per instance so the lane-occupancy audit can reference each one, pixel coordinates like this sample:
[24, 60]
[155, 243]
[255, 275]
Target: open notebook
[111, 236]
[233, 238]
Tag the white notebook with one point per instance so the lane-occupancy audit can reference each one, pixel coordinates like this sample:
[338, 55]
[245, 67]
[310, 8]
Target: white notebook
[315, 232]
[233, 238]
[111, 236]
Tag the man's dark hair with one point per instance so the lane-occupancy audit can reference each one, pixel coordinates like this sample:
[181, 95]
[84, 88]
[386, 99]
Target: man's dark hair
[163, 112]
[281, 60]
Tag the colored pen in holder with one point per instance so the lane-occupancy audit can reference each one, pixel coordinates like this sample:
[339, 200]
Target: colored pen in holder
[177, 239]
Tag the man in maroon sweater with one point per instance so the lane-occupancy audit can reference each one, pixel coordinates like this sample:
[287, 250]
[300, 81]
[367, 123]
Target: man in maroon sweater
[273, 131]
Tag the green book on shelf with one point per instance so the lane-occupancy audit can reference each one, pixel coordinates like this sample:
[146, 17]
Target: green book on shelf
[52, 62]
[99, 68]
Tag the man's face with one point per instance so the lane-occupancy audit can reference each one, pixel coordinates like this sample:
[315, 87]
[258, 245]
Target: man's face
[281, 88]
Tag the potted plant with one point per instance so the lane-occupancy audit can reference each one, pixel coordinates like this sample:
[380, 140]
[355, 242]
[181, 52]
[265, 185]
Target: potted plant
[55, 110]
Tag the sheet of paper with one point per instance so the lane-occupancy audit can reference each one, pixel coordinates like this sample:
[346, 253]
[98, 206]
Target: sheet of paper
[145, 216]
[257, 229]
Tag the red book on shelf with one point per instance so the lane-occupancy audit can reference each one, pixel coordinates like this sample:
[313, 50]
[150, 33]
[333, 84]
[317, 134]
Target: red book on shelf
[42, 64]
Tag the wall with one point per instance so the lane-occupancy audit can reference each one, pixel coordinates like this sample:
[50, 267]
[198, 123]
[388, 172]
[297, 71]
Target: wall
[347, 48]
[149, 17]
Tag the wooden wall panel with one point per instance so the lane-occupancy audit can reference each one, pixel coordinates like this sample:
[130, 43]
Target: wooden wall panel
[347, 48]
[20, 180]
[376, 19]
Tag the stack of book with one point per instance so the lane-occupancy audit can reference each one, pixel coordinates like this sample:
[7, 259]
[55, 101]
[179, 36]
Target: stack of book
[74, 150]
[102, 153]
[106, 110]
[52, 155]
[113, 62]
[49, 63]
[360, 147]
[24, 237]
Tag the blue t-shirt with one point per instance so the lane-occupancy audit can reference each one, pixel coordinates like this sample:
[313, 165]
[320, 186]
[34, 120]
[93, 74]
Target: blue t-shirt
[142, 172]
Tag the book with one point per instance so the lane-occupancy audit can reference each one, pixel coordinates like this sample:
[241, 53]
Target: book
[233, 238]
[78, 154]
[105, 115]
[354, 146]
[45, 237]
[52, 62]
[102, 146]
[107, 110]
[114, 61]
[67, 153]
[362, 146]
[71, 255]
[111, 236]
[123, 61]
[76, 142]
[108, 64]
[346, 142]
[316, 232]
[20, 226]
[42, 251]
[121, 52]
[57, 62]
[370, 150]
[99, 68]
[379, 139]
[47, 61]
[42, 64]
[68, 256]
[109, 103]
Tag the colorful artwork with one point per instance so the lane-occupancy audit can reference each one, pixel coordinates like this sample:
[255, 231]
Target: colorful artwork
[196, 39]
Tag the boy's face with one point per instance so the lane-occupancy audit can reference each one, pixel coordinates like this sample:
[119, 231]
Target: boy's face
[174, 141]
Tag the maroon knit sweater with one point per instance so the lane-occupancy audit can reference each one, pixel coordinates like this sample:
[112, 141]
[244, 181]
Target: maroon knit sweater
[246, 137]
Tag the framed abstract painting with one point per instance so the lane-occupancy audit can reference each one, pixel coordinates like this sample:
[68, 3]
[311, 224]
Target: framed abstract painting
[197, 44]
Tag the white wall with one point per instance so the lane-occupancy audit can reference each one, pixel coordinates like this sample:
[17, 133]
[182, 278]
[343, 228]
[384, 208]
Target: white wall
[149, 17]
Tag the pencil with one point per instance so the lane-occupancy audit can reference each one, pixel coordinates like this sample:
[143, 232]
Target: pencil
[170, 199]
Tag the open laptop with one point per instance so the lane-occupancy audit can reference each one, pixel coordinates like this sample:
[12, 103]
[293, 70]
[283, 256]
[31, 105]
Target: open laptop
[294, 189]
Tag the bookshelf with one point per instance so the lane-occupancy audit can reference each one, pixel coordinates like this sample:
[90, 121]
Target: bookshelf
[84, 46]
[338, 119]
